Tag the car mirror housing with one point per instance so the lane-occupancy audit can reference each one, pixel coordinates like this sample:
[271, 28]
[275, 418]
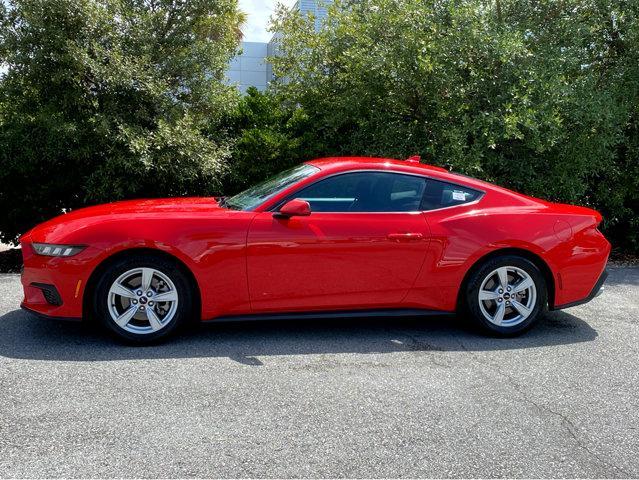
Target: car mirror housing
[294, 208]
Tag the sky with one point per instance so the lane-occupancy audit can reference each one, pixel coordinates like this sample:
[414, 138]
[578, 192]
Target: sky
[258, 13]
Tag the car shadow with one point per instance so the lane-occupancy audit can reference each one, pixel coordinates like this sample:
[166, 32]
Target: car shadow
[24, 336]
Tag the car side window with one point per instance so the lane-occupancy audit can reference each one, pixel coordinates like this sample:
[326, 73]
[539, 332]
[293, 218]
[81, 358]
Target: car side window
[365, 192]
[441, 194]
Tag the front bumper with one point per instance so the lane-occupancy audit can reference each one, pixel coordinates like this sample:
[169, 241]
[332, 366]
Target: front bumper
[54, 286]
[49, 317]
[595, 292]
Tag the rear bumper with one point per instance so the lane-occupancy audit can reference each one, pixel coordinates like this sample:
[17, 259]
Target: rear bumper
[595, 292]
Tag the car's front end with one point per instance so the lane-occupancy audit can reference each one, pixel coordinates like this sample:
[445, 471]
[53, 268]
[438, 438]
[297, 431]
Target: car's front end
[62, 256]
[54, 276]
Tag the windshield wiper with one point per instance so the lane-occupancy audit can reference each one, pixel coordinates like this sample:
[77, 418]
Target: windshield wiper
[224, 203]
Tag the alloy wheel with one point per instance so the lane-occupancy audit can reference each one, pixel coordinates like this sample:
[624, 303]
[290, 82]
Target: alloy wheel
[507, 296]
[142, 300]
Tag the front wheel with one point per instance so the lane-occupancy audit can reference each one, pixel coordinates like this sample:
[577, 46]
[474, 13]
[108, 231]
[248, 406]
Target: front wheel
[506, 295]
[143, 298]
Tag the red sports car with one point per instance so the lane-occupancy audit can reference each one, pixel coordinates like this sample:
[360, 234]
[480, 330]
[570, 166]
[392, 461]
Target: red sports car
[331, 237]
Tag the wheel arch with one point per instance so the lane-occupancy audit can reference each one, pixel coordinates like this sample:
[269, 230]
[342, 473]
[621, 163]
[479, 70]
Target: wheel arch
[539, 262]
[106, 262]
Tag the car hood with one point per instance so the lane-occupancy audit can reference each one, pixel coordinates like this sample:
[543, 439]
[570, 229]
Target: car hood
[55, 229]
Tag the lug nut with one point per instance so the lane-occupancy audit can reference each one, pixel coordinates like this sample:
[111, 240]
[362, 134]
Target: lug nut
[499, 300]
[508, 289]
[141, 307]
[134, 301]
[501, 291]
[150, 304]
[149, 293]
[139, 293]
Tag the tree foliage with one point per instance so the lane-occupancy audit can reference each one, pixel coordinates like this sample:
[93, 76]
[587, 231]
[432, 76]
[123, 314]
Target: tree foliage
[541, 96]
[108, 99]
[269, 137]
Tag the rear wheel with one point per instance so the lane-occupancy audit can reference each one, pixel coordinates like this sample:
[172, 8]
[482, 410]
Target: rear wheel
[143, 298]
[506, 295]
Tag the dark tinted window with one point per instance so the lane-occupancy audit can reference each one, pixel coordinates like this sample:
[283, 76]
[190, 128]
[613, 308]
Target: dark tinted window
[442, 194]
[365, 192]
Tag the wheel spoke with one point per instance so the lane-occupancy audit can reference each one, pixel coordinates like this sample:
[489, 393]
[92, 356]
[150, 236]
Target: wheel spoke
[124, 319]
[166, 297]
[525, 284]
[499, 314]
[147, 276]
[121, 290]
[521, 308]
[154, 321]
[488, 295]
[503, 277]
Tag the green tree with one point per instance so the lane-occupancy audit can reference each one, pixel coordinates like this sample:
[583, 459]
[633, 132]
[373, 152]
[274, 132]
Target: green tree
[269, 138]
[541, 96]
[108, 99]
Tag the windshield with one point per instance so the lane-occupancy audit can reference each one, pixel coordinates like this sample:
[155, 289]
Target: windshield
[258, 194]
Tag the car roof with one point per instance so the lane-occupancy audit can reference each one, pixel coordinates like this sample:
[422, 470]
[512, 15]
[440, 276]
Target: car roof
[343, 164]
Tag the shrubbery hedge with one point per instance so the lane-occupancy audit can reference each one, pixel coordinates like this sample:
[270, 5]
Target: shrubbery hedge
[539, 96]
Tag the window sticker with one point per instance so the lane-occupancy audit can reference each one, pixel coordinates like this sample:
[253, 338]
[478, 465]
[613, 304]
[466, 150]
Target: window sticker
[458, 195]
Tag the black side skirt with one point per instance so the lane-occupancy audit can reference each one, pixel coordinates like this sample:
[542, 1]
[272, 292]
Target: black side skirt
[395, 313]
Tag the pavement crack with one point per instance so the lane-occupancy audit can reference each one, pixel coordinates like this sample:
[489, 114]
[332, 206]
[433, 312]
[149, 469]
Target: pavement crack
[569, 426]
[433, 352]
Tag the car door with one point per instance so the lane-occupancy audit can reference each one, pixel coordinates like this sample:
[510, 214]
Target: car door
[362, 246]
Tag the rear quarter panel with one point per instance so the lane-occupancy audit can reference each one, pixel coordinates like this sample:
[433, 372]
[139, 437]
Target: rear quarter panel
[569, 244]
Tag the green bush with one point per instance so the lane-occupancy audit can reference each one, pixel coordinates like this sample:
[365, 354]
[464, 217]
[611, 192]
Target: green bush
[539, 96]
[110, 99]
[268, 139]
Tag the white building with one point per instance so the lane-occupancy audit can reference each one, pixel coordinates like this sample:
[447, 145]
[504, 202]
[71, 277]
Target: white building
[251, 68]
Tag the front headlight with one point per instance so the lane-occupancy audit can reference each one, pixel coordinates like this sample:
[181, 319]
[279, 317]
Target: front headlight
[53, 250]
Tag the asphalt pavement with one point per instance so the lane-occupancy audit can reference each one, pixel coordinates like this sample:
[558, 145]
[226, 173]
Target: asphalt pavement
[349, 398]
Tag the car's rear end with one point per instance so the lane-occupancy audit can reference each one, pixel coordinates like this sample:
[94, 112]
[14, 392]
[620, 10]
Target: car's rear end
[575, 249]
[580, 256]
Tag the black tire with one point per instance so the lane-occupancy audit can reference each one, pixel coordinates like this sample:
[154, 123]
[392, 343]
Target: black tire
[471, 302]
[172, 269]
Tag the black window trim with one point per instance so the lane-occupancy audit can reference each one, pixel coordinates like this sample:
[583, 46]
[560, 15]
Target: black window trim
[293, 195]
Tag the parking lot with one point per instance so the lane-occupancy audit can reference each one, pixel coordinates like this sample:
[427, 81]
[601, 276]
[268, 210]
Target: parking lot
[356, 398]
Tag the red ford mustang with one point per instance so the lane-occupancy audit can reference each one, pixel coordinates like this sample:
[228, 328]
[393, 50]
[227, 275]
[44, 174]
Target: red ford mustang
[331, 237]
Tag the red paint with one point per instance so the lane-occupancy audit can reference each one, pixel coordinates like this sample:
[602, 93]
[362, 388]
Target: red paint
[333, 261]
[295, 208]
[251, 262]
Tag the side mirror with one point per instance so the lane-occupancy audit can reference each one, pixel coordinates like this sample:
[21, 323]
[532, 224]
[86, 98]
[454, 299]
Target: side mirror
[294, 208]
